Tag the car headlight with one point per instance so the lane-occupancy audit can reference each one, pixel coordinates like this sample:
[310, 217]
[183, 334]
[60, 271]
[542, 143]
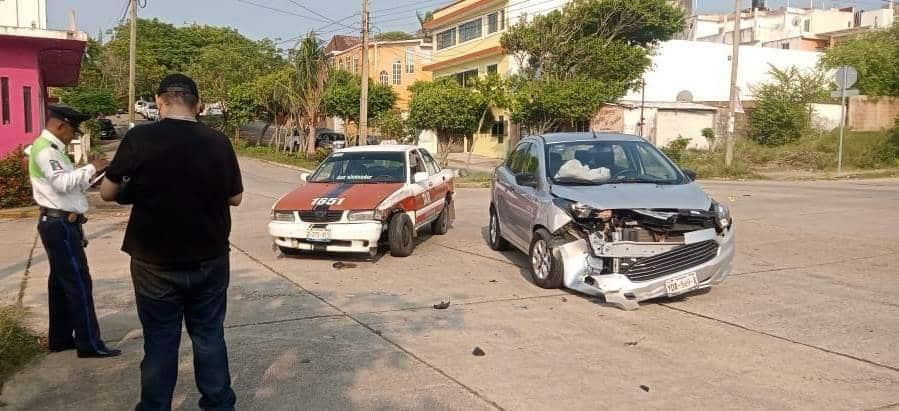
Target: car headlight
[722, 215]
[284, 216]
[364, 215]
[581, 210]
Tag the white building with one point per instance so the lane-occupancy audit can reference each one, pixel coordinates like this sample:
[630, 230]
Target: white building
[23, 13]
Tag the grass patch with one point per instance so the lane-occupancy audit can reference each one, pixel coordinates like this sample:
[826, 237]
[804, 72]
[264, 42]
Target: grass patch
[477, 179]
[865, 154]
[248, 149]
[18, 345]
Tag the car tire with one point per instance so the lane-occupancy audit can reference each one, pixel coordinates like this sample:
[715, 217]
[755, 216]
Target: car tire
[401, 235]
[290, 251]
[546, 269]
[440, 226]
[494, 236]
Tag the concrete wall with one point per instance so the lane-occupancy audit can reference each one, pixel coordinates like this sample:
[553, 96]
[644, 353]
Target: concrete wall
[877, 18]
[23, 13]
[826, 117]
[704, 69]
[19, 65]
[873, 113]
[671, 124]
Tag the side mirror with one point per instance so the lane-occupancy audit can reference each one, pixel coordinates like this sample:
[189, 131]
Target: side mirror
[304, 177]
[526, 180]
[420, 177]
[690, 174]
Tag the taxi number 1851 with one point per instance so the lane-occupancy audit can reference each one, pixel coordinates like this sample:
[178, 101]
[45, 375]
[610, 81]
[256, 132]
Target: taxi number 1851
[327, 201]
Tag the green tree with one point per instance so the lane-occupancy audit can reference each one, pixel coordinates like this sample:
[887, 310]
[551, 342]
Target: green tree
[344, 90]
[392, 125]
[876, 57]
[305, 89]
[595, 47]
[783, 106]
[393, 36]
[94, 101]
[446, 107]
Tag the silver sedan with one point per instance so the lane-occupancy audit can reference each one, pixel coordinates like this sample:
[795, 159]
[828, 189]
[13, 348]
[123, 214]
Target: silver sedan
[609, 215]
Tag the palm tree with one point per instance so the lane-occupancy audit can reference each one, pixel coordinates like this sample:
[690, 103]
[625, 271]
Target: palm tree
[308, 80]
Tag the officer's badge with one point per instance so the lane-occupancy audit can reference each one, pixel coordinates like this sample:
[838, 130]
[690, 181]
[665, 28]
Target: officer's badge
[55, 165]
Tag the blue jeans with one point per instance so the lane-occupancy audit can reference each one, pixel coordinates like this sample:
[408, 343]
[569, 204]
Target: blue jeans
[198, 296]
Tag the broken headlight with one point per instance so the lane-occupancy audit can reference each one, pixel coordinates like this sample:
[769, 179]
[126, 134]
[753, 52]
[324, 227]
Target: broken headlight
[581, 211]
[283, 216]
[722, 215]
[364, 215]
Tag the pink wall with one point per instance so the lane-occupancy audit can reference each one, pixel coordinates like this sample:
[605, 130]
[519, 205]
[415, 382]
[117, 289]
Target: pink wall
[19, 63]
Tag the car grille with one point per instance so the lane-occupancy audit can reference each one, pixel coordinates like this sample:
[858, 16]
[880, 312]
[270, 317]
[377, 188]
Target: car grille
[327, 216]
[679, 259]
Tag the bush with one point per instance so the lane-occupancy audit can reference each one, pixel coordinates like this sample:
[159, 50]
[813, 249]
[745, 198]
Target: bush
[18, 345]
[321, 154]
[894, 138]
[15, 185]
[676, 148]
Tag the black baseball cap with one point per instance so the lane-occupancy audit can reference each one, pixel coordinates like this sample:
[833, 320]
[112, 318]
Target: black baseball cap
[178, 83]
[67, 114]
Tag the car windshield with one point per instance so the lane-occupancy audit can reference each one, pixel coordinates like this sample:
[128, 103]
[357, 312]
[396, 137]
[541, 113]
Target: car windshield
[362, 167]
[602, 162]
[151, 105]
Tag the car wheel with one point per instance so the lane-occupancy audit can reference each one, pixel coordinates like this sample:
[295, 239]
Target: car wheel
[546, 269]
[494, 236]
[290, 251]
[400, 235]
[441, 225]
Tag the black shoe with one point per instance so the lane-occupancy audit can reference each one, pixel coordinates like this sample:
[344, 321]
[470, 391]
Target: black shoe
[103, 353]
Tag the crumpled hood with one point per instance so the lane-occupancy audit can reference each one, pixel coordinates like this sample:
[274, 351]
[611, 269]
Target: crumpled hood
[630, 196]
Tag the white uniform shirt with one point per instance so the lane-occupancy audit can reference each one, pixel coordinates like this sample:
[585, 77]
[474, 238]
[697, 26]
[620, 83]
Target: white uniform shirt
[55, 182]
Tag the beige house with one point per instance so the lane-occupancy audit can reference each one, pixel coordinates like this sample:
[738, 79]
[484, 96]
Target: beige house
[397, 64]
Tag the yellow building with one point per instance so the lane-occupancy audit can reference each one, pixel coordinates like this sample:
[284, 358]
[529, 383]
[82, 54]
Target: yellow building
[394, 63]
[466, 39]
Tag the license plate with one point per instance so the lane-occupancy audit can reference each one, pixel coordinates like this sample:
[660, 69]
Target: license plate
[679, 284]
[319, 235]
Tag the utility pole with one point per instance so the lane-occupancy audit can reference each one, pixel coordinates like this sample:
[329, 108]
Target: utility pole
[132, 57]
[734, 65]
[363, 97]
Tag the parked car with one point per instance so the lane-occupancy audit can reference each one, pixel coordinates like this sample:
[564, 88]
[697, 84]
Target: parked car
[362, 196]
[139, 106]
[151, 112]
[331, 140]
[107, 130]
[609, 215]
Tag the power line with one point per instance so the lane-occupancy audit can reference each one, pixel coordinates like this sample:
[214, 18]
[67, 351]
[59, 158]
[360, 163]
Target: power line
[282, 11]
[327, 19]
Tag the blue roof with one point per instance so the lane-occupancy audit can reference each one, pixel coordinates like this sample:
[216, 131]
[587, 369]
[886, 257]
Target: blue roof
[552, 138]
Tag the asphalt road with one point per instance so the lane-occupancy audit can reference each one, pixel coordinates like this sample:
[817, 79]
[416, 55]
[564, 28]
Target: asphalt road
[809, 319]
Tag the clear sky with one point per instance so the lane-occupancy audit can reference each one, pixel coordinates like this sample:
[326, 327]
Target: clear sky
[287, 19]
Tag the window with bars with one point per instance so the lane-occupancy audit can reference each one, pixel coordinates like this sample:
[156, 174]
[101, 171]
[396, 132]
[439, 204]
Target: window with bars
[446, 38]
[492, 69]
[410, 60]
[397, 72]
[356, 69]
[385, 78]
[470, 30]
[26, 95]
[465, 78]
[4, 100]
[492, 22]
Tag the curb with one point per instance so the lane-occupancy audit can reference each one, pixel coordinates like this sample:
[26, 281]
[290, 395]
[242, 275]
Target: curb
[274, 163]
[21, 212]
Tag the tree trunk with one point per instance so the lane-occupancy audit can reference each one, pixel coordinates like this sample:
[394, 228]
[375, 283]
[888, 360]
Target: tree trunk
[310, 139]
[473, 136]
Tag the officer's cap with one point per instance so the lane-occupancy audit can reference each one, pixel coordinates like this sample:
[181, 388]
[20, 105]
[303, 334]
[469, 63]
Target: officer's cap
[67, 114]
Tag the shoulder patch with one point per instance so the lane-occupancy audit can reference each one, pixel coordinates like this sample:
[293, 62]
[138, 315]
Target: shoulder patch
[55, 165]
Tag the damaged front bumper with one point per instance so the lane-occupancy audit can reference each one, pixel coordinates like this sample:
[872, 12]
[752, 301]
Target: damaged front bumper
[582, 273]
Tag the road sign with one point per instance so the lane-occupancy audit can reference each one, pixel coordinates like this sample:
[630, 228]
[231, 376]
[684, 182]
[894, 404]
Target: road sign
[846, 93]
[846, 76]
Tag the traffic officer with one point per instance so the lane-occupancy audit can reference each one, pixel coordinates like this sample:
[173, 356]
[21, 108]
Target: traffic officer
[59, 189]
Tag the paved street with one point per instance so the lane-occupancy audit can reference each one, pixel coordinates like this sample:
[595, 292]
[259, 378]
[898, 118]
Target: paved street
[808, 320]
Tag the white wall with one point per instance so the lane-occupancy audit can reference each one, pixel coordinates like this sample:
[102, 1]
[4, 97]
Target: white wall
[671, 124]
[529, 8]
[703, 69]
[877, 18]
[23, 13]
[825, 117]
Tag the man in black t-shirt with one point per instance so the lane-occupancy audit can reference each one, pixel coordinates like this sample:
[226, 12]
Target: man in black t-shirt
[181, 177]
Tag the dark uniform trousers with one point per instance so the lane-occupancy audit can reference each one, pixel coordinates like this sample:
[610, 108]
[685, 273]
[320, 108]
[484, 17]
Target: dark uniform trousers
[70, 288]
